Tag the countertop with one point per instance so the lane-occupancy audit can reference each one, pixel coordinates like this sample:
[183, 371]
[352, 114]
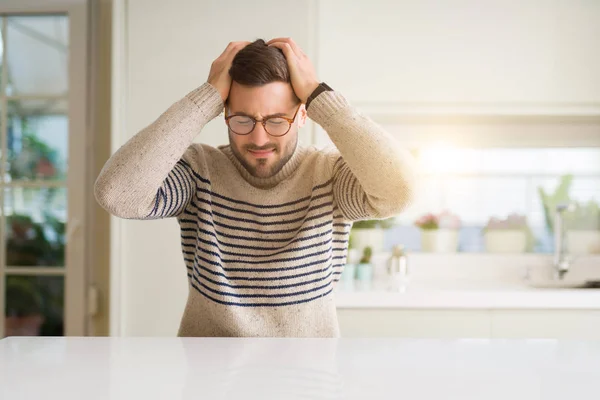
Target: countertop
[475, 281]
[466, 295]
[240, 368]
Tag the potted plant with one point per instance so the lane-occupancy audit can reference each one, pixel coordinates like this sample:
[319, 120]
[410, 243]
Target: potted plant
[32, 243]
[439, 233]
[37, 159]
[364, 271]
[582, 226]
[24, 315]
[509, 235]
[370, 233]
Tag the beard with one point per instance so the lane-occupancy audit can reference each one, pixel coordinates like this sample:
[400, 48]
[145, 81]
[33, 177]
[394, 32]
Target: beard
[264, 167]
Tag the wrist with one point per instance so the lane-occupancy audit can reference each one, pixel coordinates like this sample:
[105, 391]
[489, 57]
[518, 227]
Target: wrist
[320, 88]
[310, 88]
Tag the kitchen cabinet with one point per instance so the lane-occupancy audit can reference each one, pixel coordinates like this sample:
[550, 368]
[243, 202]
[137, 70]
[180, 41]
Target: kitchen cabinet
[463, 56]
[466, 72]
[554, 324]
[414, 323]
[497, 323]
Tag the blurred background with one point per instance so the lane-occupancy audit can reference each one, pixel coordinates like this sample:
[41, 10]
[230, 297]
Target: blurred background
[499, 102]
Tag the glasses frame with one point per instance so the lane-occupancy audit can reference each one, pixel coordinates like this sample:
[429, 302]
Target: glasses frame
[263, 122]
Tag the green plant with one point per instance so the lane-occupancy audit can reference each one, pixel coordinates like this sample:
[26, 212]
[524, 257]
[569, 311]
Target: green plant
[373, 223]
[23, 297]
[551, 200]
[36, 159]
[583, 217]
[29, 244]
[366, 256]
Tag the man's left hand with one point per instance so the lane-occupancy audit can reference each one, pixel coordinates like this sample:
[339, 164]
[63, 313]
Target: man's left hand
[302, 72]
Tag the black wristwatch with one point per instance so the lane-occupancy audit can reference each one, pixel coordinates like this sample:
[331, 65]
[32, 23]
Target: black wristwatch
[323, 87]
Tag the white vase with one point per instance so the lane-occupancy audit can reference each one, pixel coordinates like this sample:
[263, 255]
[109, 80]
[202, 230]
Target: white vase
[373, 238]
[583, 242]
[505, 241]
[439, 240]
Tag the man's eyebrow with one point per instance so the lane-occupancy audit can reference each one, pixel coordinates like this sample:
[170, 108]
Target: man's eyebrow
[266, 116]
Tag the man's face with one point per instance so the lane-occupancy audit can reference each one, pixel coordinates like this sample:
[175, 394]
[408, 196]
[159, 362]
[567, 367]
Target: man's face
[261, 154]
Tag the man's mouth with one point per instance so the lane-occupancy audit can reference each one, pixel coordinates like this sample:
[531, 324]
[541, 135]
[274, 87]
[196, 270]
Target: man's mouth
[262, 153]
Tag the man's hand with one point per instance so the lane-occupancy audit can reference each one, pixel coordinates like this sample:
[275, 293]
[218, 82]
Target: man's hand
[219, 70]
[303, 75]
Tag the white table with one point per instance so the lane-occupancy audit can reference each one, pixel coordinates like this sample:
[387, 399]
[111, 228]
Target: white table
[197, 368]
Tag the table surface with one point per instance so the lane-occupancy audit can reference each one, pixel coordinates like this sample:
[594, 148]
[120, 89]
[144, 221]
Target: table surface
[263, 368]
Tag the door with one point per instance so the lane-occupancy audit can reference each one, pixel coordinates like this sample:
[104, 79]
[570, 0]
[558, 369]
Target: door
[43, 130]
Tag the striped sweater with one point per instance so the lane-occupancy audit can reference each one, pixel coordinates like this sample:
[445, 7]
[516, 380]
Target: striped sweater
[262, 255]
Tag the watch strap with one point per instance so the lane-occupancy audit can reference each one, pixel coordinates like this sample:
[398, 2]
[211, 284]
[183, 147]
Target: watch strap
[323, 87]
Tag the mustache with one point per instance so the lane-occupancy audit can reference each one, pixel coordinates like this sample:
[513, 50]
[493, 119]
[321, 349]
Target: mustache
[251, 147]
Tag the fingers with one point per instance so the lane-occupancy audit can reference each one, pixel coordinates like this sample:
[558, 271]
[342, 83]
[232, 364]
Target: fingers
[286, 48]
[290, 42]
[232, 49]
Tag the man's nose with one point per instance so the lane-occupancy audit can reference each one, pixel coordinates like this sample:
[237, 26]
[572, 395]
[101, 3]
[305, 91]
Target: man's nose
[259, 136]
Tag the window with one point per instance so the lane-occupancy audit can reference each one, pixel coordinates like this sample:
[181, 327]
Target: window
[479, 183]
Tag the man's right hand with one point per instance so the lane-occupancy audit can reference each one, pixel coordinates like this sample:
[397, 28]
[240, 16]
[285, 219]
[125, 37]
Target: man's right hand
[219, 70]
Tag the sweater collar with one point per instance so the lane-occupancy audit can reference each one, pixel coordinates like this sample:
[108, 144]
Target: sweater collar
[266, 183]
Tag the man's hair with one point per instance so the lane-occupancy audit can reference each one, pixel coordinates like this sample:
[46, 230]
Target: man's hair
[258, 64]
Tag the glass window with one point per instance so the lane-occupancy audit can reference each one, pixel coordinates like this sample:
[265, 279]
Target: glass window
[477, 184]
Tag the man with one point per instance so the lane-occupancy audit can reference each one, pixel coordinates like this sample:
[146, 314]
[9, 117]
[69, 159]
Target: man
[264, 221]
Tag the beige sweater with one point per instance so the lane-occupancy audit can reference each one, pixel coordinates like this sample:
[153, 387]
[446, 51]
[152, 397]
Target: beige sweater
[262, 255]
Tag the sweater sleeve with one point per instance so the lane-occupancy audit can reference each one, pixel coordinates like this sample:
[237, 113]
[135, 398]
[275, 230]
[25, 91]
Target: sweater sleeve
[152, 175]
[373, 176]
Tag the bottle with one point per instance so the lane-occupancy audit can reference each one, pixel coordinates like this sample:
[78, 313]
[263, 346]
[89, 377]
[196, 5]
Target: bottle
[398, 270]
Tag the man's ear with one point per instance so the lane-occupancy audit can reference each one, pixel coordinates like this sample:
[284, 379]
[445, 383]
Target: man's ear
[302, 115]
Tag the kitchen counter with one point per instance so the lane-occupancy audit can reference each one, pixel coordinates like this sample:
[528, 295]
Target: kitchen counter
[236, 368]
[467, 295]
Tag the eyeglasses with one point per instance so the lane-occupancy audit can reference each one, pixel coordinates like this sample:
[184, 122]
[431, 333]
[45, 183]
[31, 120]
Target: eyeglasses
[274, 126]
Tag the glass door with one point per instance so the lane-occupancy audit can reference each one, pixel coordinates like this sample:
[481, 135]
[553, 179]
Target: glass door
[41, 201]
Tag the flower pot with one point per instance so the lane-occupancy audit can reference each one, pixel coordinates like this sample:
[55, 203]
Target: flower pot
[373, 238]
[364, 272]
[24, 326]
[348, 273]
[583, 242]
[505, 241]
[364, 276]
[439, 240]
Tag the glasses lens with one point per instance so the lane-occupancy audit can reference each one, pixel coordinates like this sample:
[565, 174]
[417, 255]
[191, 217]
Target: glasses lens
[241, 125]
[277, 126]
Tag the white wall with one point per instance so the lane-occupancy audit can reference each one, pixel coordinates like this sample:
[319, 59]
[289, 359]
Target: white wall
[395, 60]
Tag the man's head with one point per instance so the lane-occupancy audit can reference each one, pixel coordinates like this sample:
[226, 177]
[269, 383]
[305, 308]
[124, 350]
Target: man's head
[261, 88]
